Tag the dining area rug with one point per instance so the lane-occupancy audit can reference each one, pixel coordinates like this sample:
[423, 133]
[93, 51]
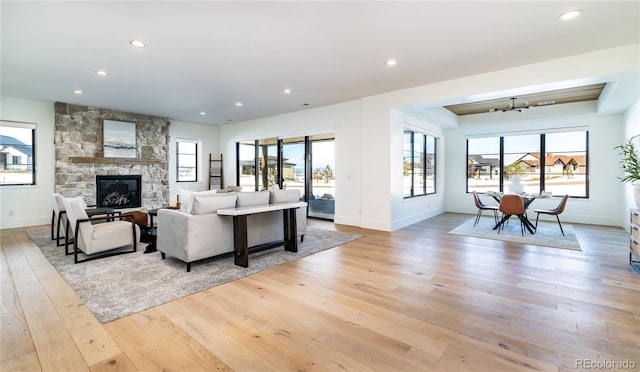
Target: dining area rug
[548, 233]
[116, 286]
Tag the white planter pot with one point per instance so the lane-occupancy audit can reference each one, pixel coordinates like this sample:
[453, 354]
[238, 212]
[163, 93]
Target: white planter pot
[636, 195]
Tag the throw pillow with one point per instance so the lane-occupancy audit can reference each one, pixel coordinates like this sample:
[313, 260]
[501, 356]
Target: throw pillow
[249, 199]
[284, 196]
[206, 204]
[186, 198]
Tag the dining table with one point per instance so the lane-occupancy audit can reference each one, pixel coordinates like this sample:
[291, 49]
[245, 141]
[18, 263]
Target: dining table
[527, 199]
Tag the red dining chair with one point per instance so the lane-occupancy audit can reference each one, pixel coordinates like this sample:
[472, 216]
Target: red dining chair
[484, 207]
[512, 205]
[553, 212]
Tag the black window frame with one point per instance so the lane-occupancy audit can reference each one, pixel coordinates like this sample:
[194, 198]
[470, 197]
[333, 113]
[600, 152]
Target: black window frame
[425, 163]
[195, 157]
[30, 166]
[543, 155]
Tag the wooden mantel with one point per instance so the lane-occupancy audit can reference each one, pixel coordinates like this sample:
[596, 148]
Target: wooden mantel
[79, 159]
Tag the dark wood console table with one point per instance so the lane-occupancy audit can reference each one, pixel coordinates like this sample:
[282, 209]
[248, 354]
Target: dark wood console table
[240, 241]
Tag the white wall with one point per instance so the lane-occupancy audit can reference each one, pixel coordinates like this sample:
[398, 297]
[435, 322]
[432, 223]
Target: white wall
[208, 135]
[371, 150]
[343, 120]
[631, 128]
[412, 210]
[30, 205]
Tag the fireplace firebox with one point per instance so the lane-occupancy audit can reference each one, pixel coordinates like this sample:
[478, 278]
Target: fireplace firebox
[118, 191]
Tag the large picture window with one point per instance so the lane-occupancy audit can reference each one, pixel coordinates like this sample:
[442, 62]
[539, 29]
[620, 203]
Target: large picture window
[419, 170]
[187, 160]
[17, 153]
[555, 162]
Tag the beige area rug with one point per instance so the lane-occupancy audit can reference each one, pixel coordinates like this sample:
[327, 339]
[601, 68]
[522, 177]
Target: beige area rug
[117, 286]
[547, 235]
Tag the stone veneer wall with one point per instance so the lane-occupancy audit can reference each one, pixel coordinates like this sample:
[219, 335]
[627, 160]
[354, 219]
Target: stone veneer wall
[78, 133]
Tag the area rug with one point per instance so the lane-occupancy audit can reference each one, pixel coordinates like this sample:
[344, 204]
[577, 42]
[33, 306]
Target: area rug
[117, 286]
[547, 235]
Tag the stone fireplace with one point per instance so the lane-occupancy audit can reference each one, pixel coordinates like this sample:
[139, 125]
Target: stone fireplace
[118, 191]
[80, 157]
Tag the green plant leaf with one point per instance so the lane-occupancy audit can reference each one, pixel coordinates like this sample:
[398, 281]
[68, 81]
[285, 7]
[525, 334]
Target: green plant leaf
[629, 161]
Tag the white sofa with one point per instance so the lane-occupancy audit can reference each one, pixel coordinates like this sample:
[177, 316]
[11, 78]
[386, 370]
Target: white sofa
[196, 231]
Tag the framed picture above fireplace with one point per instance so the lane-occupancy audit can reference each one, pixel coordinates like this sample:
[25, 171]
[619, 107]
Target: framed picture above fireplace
[119, 139]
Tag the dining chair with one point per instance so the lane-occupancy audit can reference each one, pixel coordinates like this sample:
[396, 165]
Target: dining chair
[58, 218]
[553, 212]
[97, 240]
[512, 205]
[484, 207]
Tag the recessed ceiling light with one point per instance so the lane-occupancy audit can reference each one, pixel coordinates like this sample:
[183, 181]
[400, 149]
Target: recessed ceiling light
[101, 73]
[391, 62]
[203, 113]
[286, 91]
[570, 15]
[546, 103]
[78, 91]
[238, 104]
[137, 43]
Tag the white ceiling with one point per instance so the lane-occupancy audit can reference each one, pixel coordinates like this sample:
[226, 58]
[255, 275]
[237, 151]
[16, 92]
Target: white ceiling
[206, 55]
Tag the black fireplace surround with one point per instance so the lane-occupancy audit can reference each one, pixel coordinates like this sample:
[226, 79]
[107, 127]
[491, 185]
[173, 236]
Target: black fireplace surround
[118, 191]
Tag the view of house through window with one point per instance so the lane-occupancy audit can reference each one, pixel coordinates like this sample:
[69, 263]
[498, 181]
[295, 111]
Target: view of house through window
[17, 149]
[283, 162]
[187, 160]
[555, 162]
[419, 156]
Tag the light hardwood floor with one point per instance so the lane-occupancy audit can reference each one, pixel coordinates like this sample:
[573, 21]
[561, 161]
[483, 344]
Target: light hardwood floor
[414, 299]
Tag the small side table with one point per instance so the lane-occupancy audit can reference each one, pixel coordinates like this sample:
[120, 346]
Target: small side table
[152, 232]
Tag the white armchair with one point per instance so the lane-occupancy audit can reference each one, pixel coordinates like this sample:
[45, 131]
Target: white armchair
[100, 240]
[58, 218]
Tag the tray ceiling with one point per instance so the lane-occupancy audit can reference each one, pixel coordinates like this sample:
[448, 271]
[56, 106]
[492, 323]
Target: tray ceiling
[553, 97]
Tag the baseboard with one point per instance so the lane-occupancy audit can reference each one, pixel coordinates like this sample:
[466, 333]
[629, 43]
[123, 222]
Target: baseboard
[24, 222]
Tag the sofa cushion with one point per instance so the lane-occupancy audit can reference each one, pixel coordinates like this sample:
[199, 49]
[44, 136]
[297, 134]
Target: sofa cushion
[186, 198]
[206, 204]
[284, 196]
[249, 199]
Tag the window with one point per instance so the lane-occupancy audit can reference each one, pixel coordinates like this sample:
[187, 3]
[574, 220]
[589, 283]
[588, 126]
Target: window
[187, 160]
[419, 170]
[556, 162]
[17, 150]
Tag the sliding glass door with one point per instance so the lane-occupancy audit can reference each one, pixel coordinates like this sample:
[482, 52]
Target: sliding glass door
[323, 189]
[268, 163]
[294, 164]
[303, 163]
[246, 160]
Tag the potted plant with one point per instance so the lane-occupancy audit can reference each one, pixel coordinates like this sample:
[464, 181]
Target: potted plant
[630, 164]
